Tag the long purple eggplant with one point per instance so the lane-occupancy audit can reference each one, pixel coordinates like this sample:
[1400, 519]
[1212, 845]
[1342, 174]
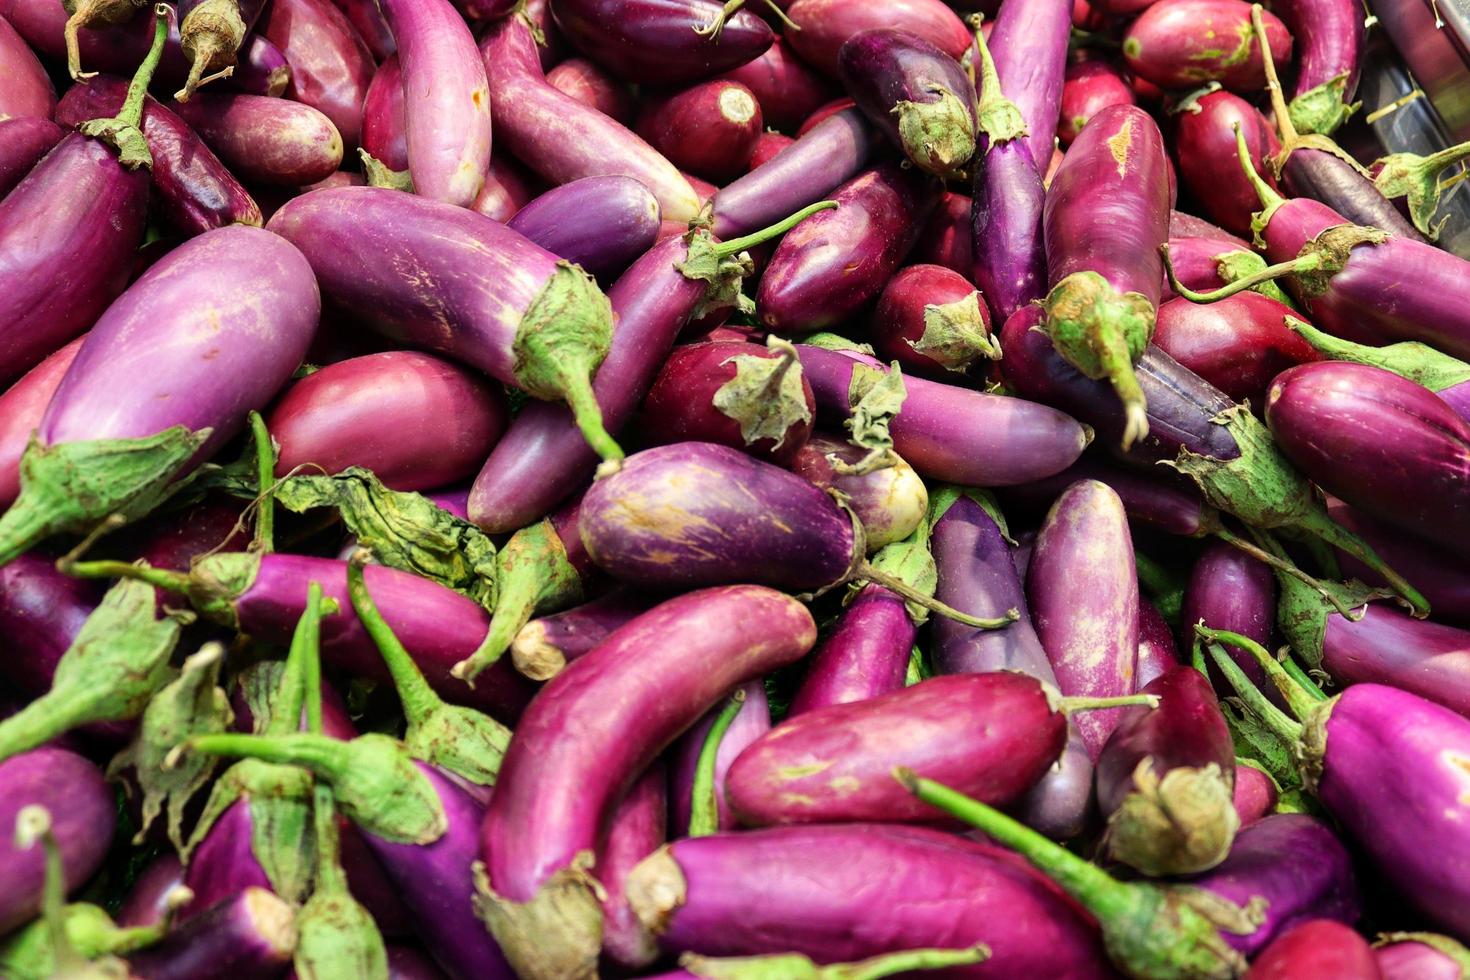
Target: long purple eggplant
[601, 223]
[195, 191]
[149, 395]
[690, 651]
[28, 92]
[1088, 625]
[701, 759]
[1107, 213]
[826, 268]
[384, 120]
[21, 407]
[371, 26]
[664, 42]
[850, 891]
[1167, 505]
[1230, 590]
[250, 935]
[635, 829]
[84, 811]
[1166, 779]
[1204, 262]
[866, 654]
[1329, 39]
[330, 66]
[546, 644]
[211, 33]
[917, 95]
[446, 98]
[265, 140]
[561, 138]
[24, 140]
[396, 260]
[822, 26]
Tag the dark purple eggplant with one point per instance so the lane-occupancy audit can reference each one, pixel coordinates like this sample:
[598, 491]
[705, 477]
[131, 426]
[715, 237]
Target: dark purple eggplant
[601, 223]
[24, 140]
[1029, 48]
[709, 128]
[250, 935]
[1446, 580]
[667, 42]
[1169, 506]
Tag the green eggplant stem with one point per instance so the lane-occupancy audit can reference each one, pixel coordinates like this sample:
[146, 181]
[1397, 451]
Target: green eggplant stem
[323, 756]
[1282, 725]
[131, 113]
[1301, 698]
[865, 572]
[415, 694]
[1289, 136]
[1069, 706]
[735, 246]
[1302, 263]
[265, 478]
[1334, 534]
[1113, 354]
[159, 578]
[704, 811]
[309, 635]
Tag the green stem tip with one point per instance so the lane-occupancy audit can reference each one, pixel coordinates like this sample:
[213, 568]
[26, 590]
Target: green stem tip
[704, 810]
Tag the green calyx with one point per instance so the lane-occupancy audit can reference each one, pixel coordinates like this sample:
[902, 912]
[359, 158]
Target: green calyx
[1148, 930]
[1302, 612]
[997, 117]
[338, 939]
[193, 704]
[1238, 264]
[939, 135]
[210, 35]
[457, 739]
[794, 966]
[379, 174]
[561, 341]
[723, 266]
[955, 335]
[123, 132]
[766, 397]
[874, 398]
[557, 934]
[704, 809]
[1101, 333]
[910, 561]
[71, 487]
[1410, 359]
[1181, 824]
[118, 660]
[1417, 178]
[1322, 109]
[826, 340]
[279, 801]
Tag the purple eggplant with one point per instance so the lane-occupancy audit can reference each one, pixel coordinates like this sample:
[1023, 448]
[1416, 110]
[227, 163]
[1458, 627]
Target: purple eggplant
[666, 42]
[21, 407]
[1203, 262]
[1318, 949]
[28, 92]
[1446, 580]
[708, 129]
[330, 65]
[945, 240]
[917, 95]
[823, 26]
[1183, 225]
[526, 318]
[1090, 85]
[1239, 344]
[1421, 956]
[1329, 40]
[865, 656]
[334, 418]
[1166, 779]
[1178, 43]
[832, 264]
[265, 140]
[635, 829]
[114, 422]
[600, 223]
[371, 26]
[211, 33]
[1156, 651]
[195, 191]
[1230, 590]
[691, 650]
[1088, 625]
[932, 320]
[701, 759]
[24, 140]
[1204, 136]
[890, 501]
[856, 890]
[115, 48]
[827, 156]
[545, 645]
[1169, 506]
[407, 963]
[562, 138]
[384, 121]
[592, 86]
[1106, 216]
[41, 613]
[1256, 793]
[446, 99]
[250, 935]
[786, 88]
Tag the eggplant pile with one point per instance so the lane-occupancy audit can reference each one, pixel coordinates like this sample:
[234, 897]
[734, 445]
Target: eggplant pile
[818, 490]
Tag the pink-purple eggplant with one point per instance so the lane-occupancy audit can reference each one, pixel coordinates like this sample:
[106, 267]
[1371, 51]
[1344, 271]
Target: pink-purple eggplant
[1106, 216]
[917, 95]
[1156, 651]
[835, 262]
[600, 223]
[1169, 506]
[636, 828]
[561, 138]
[1204, 262]
[1421, 956]
[667, 42]
[1329, 41]
[865, 656]
[890, 500]
[150, 396]
[1318, 949]
[330, 65]
[1089, 86]
[699, 762]
[786, 88]
[823, 26]
[1204, 138]
[28, 92]
[1239, 344]
[1229, 590]
[690, 652]
[384, 120]
[706, 129]
[444, 420]
[1029, 51]
[446, 99]
[196, 193]
[250, 935]
[947, 433]
[1166, 778]
[24, 140]
[592, 86]
[850, 891]
[263, 140]
[22, 406]
[546, 644]
[527, 318]
[1256, 793]
[931, 320]
[1179, 43]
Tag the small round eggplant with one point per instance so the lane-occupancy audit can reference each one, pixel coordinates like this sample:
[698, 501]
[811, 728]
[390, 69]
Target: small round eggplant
[1179, 43]
[1318, 949]
[1091, 86]
[931, 320]
[890, 501]
[786, 88]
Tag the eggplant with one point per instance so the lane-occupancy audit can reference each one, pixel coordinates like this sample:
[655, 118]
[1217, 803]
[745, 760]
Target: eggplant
[250, 935]
[1319, 949]
[1156, 652]
[21, 408]
[931, 320]
[1239, 344]
[592, 86]
[1089, 86]
[546, 644]
[1442, 573]
[28, 92]
[264, 140]
[1030, 58]
[1178, 43]
[708, 129]
[1232, 591]
[24, 140]
[600, 223]
[636, 828]
[865, 656]
[945, 240]
[700, 761]
[1204, 138]
[1167, 505]
[668, 42]
[823, 26]
[151, 899]
[330, 65]
[384, 119]
[786, 88]
[890, 501]
[1329, 40]
[1420, 956]
[1256, 793]
[703, 643]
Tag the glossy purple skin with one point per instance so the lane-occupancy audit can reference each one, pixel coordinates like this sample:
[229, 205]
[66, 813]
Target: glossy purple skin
[277, 142]
[1029, 46]
[1183, 225]
[829, 154]
[882, 68]
[844, 892]
[1389, 647]
[1196, 261]
[563, 139]
[577, 631]
[866, 654]
[41, 612]
[407, 963]
[1156, 651]
[27, 91]
[1181, 404]
[1204, 140]
[384, 123]
[244, 936]
[1439, 573]
[224, 863]
[261, 68]
[543, 458]
[24, 140]
[330, 65]
[957, 435]
[787, 89]
[1321, 176]
[439, 627]
[601, 223]
[183, 346]
[1384, 444]
[436, 884]
[421, 272]
[635, 829]
[694, 514]
[83, 811]
[1394, 776]
[68, 232]
[1229, 590]
[1183, 43]
[371, 26]
[21, 408]
[601, 721]
[1109, 215]
[653, 41]
[1410, 960]
[1170, 506]
[446, 99]
[945, 240]
[833, 263]
[146, 902]
[751, 722]
[1007, 244]
[1088, 624]
[1294, 862]
[195, 192]
[1255, 794]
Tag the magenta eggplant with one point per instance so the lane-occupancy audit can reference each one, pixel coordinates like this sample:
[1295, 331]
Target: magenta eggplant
[636, 828]
[752, 720]
[21, 408]
[1420, 956]
[551, 642]
[24, 140]
[667, 42]
[823, 26]
[1088, 625]
[843, 892]
[1090, 85]
[446, 99]
[250, 935]
[599, 223]
[786, 88]
[945, 240]
[1204, 138]
[708, 129]
[1239, 344]
[27, 91]
[690, 651]
[264, 140]
[591, 86]
[833, 263]
[1329, 39]
[1319, 949]
[148, 901]
[330, 65]
[1029, 47]
[83, 811]
[416, 421]
[1179, 43]
[561, 138]
[371, 26]
[1256, 793]
[1229, 590]
[865, 656]
[1156, 651]
[1205, 262]
[384, 129]
[931, 320]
